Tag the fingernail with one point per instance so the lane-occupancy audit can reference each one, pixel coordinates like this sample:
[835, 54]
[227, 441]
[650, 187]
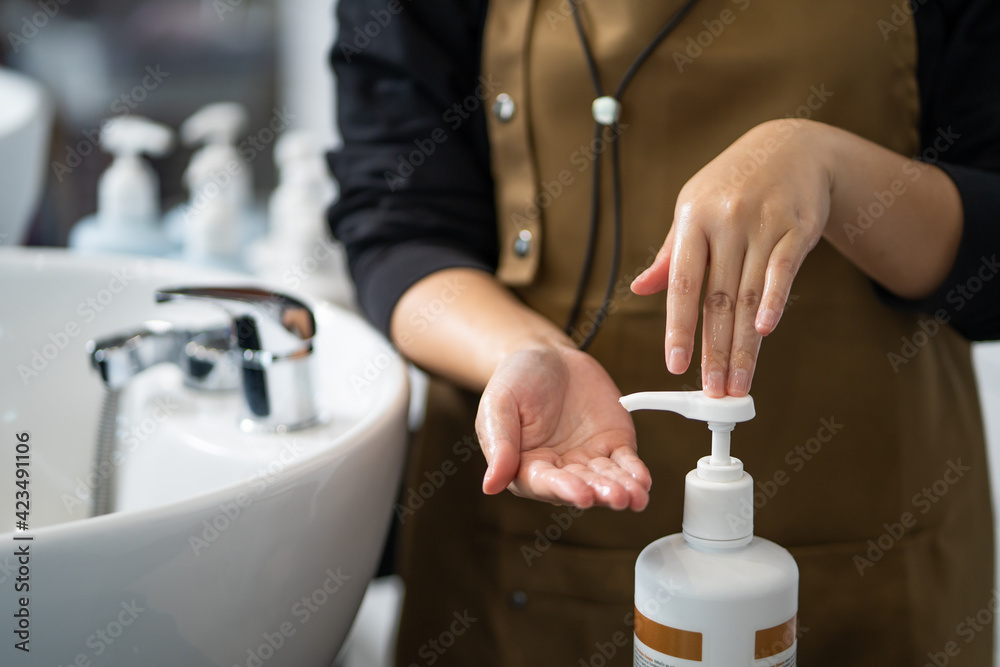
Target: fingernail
[740, 381]
[716, 383]
[677, 360]
[767, 319]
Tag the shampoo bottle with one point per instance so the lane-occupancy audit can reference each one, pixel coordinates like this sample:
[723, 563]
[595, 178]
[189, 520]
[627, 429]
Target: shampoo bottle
[128, 195]
[219, 221]
[298, 251]
[714, 595]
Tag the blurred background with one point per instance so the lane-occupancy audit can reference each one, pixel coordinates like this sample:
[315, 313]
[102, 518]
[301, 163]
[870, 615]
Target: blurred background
[164, 60]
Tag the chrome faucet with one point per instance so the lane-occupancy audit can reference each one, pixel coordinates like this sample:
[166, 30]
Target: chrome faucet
[205, 357]
[266, 351]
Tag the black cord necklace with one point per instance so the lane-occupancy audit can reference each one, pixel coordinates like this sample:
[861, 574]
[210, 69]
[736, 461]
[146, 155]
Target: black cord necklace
[606, 110]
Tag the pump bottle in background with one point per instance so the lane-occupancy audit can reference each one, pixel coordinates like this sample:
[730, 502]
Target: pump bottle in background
[713, 595]
[298, 251]
[128, 195]
[219, 220]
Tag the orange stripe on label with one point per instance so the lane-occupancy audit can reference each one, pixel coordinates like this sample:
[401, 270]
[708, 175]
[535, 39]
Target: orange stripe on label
[773, 641]
[676, 643]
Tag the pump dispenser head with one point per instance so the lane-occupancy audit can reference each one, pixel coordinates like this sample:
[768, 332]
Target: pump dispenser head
[219, 123]
[718, 495]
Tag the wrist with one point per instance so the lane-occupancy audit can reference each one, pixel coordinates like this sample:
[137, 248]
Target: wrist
[546, 338]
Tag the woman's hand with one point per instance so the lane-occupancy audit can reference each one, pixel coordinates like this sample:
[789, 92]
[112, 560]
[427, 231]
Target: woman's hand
[552, 429]
[749, 217]
[752, 215]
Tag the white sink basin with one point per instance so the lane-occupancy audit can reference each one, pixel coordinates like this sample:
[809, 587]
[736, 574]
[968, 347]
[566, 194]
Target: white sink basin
[25, 123]
[279, 580]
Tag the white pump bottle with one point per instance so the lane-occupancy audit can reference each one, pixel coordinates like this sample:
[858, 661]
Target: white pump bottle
[216, 224]
[714, 595]
[128, 196]
[298, 252]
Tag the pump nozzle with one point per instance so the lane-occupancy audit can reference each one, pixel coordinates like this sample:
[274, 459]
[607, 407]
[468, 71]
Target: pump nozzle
[132, 135]
[693, 405]
[718, 494]
[722, 414]
[219, 123]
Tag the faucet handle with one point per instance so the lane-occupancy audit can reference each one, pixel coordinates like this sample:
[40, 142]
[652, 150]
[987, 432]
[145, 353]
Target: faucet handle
[263, 321]
[274, 334]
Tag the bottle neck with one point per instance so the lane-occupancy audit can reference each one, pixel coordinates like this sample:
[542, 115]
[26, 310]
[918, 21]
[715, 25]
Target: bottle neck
[717, 546]
[718, 506]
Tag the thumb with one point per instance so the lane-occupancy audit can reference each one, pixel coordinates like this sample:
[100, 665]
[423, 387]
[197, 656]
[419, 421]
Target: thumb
[498, 426]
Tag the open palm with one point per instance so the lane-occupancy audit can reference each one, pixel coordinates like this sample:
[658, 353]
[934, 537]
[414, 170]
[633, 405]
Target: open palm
[552, 429]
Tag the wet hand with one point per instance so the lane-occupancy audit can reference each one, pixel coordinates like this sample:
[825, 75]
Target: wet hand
[748, 218]
[552, 429]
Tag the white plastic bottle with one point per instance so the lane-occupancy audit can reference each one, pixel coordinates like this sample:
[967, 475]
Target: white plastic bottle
[714, 595]
[219, 220]
[128, 195]
[298, 252]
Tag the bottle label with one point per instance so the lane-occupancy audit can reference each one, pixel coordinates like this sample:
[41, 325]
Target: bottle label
[657, 645]
[775, 647]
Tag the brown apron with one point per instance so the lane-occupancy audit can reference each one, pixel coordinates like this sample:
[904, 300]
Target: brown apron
[872, 473]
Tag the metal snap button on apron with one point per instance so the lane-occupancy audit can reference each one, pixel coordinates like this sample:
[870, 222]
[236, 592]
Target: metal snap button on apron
[523, 243]
[503, 107]
[518, 599]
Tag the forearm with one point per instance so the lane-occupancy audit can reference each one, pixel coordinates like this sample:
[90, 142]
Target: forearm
[460, 323]
[897, 219]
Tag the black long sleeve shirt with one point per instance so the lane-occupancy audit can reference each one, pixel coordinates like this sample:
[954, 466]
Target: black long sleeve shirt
[399, 84]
